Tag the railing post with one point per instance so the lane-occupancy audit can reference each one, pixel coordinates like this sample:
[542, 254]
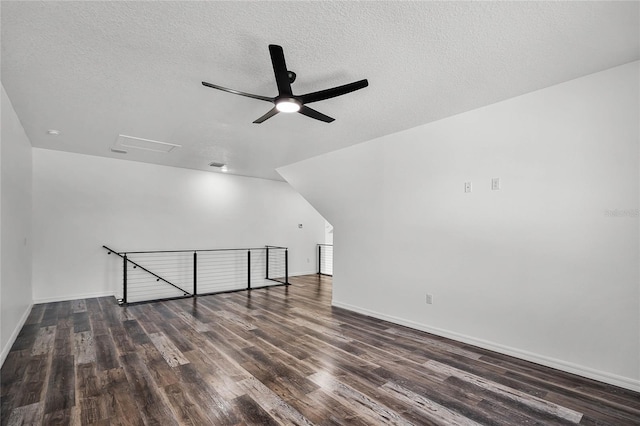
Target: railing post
[124, 279]
[195, 273]
[286, 266]
[249, 270]
[267, 263]
[319, 259]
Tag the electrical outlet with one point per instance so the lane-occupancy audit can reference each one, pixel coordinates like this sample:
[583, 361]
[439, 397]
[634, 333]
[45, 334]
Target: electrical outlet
[467, 187]
[429, 299]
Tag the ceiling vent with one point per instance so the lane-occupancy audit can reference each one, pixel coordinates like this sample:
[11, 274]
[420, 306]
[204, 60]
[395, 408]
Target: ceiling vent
[145, 144]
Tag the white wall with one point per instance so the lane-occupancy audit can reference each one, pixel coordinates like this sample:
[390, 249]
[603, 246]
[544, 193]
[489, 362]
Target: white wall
[82, 202]
[15, 223]
[328, 233]
[541, 269]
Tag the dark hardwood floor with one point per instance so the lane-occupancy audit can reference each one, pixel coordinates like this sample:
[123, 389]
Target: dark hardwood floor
[276, 356]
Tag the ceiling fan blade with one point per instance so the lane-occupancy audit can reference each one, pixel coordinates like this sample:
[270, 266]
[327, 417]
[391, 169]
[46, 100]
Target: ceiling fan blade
[280, 70]
[309, 112]
[273, 111]
[333, 92]
[237, 92]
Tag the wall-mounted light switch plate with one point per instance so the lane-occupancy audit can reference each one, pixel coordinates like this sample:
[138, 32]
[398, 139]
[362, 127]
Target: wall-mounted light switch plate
[429, 299]
[467, 187]
[495, 184]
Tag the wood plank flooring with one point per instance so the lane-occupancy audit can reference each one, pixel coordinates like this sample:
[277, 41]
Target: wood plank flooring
[278, 356]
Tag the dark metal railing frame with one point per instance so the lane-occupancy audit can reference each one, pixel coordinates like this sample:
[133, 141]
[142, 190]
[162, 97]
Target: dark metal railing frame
[126, 261]
[320, 258]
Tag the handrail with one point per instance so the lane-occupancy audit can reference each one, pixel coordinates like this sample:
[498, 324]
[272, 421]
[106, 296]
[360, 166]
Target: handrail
[194, 250]
[145, 269]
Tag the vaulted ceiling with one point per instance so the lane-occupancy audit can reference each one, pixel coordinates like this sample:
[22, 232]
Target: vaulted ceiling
[95, 70]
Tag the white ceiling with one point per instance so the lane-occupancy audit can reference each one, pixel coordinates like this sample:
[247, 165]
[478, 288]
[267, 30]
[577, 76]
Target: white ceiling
[94, 70]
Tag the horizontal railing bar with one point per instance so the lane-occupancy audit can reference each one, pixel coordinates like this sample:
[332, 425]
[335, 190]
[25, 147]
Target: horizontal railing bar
[194, 250]
[328, 245]
[164, 299]
[276, 280]
[243, 289]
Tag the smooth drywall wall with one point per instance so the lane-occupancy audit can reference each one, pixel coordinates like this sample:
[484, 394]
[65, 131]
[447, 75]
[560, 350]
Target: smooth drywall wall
[545, 268]
[15, 225]
[82, 202]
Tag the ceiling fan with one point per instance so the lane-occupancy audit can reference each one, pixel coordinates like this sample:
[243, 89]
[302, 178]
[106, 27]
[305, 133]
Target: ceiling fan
[286, 101]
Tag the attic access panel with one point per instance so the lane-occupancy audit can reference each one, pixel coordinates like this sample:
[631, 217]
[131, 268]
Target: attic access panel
[145, 144]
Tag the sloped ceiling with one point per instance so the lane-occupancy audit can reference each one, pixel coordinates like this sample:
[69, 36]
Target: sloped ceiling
[94, 70]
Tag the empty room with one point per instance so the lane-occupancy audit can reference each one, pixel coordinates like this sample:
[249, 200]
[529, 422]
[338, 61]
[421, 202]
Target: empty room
[320, 213]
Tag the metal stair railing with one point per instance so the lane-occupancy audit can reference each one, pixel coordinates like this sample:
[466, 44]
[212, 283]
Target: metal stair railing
[325, 259]
[170, 274]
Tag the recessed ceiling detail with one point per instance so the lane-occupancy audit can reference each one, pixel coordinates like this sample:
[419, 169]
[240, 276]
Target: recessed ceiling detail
[145, 144]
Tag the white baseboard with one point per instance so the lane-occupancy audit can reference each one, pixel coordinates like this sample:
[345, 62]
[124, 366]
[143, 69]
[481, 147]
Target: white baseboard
[73, 297]
[14, 335]
[590, 373]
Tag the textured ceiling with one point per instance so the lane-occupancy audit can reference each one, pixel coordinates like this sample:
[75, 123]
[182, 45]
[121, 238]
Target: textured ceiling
[94, 70]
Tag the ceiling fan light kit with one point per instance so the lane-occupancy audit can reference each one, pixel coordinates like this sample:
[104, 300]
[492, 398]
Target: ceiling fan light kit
[288, 105]
[286, 101]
